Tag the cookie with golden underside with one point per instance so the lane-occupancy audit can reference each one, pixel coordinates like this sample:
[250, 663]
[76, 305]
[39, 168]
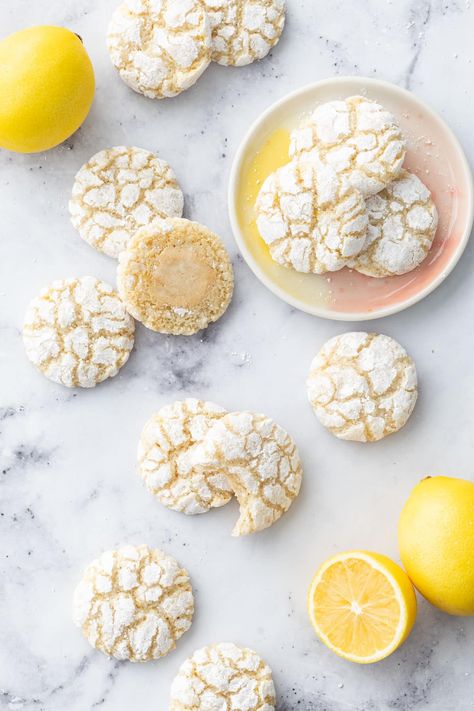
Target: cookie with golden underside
[402, 226]
[77, 332]
[134, 603]
[311, 221]
[358, 138]
[362, 386]
[160, 47]
[175, 276]
[118, 191]
[166, 467]
[223, 676]
[244, 30]
[261, 463]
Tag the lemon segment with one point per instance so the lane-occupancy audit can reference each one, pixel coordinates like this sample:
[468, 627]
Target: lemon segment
[362, 606]
[47, 87]
[436, 539]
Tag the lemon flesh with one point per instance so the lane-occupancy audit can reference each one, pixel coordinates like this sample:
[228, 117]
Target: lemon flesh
[362, 605]
[47, 88]
[436, 538]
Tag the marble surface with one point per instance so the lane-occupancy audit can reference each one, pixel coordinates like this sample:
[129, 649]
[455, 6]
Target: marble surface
[68, 482]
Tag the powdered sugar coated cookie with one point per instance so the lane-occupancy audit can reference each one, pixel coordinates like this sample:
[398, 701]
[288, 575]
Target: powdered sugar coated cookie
[164, 457]
[362, 386]
[77, 332]
[402, 225]
[310, 220]
[134, 603]
[244, 30]
[261, 462]
[160, 47]
[223, 676]
[358, 138]
[118, 191]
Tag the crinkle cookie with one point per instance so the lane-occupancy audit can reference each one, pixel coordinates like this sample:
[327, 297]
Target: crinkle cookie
[134, 603]
[402, 225]
[175, 276]
[244, 30]
[119, 190]
[77, 332]
[362, 386]
[261, 462]
[309, 219]
[223, 677]
[160, 47]
[358, 138]
[164, 457]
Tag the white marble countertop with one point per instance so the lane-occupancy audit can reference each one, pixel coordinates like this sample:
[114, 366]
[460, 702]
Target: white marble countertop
[68, 483]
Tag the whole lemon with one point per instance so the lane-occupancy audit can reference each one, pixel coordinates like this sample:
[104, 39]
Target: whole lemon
[436, 538]
[46, 87]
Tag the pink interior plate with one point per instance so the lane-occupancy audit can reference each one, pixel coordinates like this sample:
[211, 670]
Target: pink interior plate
[434, 154]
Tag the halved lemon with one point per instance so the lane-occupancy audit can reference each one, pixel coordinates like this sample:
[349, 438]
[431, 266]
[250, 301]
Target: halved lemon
[362, 605]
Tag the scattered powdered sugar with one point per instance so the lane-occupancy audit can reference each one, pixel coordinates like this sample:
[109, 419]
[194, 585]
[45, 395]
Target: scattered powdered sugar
[362, 386]
[165, 457]
[77, 332]
[118, 191]
[134, 603]
[402, 225]
[244, 30]
[223, 676]
[261, 462]
[311, 221]
[358, 138]
[160, 47]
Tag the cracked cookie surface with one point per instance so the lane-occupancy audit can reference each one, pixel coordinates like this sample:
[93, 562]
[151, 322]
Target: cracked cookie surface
[175, 276]
[362, 386]
[164, 457]
[310, 220]
[244, 30]
[261, 463]
[223, 677]
[77, 332]
[134, 603]
[402, 226]
[358, 138]
[160, 47]
[118, 191]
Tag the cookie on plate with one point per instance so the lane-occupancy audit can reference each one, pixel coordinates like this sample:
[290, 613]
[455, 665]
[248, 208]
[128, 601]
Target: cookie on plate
[362, 386]
[244, 30]
[134, 603]
[261, 463]
[118, 191]
[77, 332]
[310, 219]
[166, 467]
[402, 226]
[160, 48]
[223, 676]
[358, 138]
[175, 276]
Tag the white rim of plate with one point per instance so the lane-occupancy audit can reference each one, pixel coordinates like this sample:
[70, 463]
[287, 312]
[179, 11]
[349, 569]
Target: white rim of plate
[318, 310]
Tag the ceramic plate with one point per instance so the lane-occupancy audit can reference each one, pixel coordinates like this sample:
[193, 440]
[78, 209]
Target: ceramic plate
[434, 154]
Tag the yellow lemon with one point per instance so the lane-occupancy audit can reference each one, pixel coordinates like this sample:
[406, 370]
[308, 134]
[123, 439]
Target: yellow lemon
[436, 537]
[362, 605]
[47, 87]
